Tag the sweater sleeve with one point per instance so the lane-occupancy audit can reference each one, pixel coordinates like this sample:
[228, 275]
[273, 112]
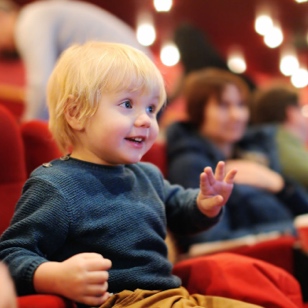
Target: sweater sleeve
[38, 228]
[183, 215]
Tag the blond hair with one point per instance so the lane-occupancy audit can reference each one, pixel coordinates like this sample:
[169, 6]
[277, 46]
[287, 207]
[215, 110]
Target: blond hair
[85, 72]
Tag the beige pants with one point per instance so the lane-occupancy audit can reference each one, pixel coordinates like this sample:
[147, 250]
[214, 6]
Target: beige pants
[175, 298]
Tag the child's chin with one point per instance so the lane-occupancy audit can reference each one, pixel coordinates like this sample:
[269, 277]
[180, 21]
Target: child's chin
[132, 160]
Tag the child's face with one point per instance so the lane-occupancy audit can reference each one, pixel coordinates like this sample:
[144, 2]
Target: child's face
[121, 131]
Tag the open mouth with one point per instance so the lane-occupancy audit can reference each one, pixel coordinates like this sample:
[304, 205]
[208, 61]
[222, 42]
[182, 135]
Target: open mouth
[138, 140]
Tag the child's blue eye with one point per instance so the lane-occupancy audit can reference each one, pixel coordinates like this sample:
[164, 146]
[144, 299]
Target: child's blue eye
[127, 104]
[151, 109]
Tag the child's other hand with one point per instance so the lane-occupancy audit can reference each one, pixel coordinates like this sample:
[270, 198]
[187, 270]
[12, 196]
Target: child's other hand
[85, 277]
[82, 278]
[215, 189]
[8, 297]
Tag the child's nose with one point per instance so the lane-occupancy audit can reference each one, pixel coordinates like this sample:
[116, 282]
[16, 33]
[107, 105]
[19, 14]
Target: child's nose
[143, 120]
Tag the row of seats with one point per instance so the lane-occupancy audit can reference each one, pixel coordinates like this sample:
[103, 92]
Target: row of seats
[25, 146]
[12, 177]
[13, 167]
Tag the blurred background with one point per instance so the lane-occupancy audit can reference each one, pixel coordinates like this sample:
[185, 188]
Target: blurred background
[273, 47]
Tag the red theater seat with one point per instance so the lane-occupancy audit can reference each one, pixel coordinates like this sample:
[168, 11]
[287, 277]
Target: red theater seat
[157, 156]
[44, 301]
[39, 144]
[13, 169]
[242, 278]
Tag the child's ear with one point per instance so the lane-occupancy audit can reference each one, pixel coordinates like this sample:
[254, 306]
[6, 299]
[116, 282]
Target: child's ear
[72, 113]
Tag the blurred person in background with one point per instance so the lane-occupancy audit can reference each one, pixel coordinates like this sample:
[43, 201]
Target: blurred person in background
[280, 106]
[41, 30]
[217, 129]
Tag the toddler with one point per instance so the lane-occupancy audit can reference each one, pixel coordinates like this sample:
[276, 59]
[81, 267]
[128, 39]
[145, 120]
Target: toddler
[91, 226]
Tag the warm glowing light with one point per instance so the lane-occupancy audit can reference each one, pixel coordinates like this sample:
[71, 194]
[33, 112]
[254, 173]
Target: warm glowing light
[274, 37]
[263, 24]
[301, 1]
[169, 54]
[300, 78]
[288, 64]
[146, 34]
[162, 5]
[288, 60]
[236, 61]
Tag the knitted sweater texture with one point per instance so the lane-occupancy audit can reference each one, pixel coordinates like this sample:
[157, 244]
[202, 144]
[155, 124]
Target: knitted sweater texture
[70, 206]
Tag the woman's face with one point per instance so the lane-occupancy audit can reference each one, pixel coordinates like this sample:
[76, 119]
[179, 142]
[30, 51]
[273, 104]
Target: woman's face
[225, 120]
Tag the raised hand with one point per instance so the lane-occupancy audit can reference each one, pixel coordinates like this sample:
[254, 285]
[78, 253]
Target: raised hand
[215, 189]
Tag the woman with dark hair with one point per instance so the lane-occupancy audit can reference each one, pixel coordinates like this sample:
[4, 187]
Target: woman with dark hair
[216, 129]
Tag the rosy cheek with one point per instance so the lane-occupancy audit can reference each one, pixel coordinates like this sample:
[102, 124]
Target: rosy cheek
[155, 129]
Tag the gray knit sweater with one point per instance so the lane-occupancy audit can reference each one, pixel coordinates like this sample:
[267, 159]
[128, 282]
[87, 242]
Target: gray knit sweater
[70, 206]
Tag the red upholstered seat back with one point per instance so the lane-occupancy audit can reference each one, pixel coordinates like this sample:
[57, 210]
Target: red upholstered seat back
[242, 278]
[12, 166]
[39, 144]
[157, 156]
[16, 107]
[44, 301]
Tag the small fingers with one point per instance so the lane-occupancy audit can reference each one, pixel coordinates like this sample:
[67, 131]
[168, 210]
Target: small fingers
[208, 176]
[230, 176]
[97, 289]
[98, 263]
[204, 180]
[98, 277]
[220, 174]
[90, 255]
[220, 171]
